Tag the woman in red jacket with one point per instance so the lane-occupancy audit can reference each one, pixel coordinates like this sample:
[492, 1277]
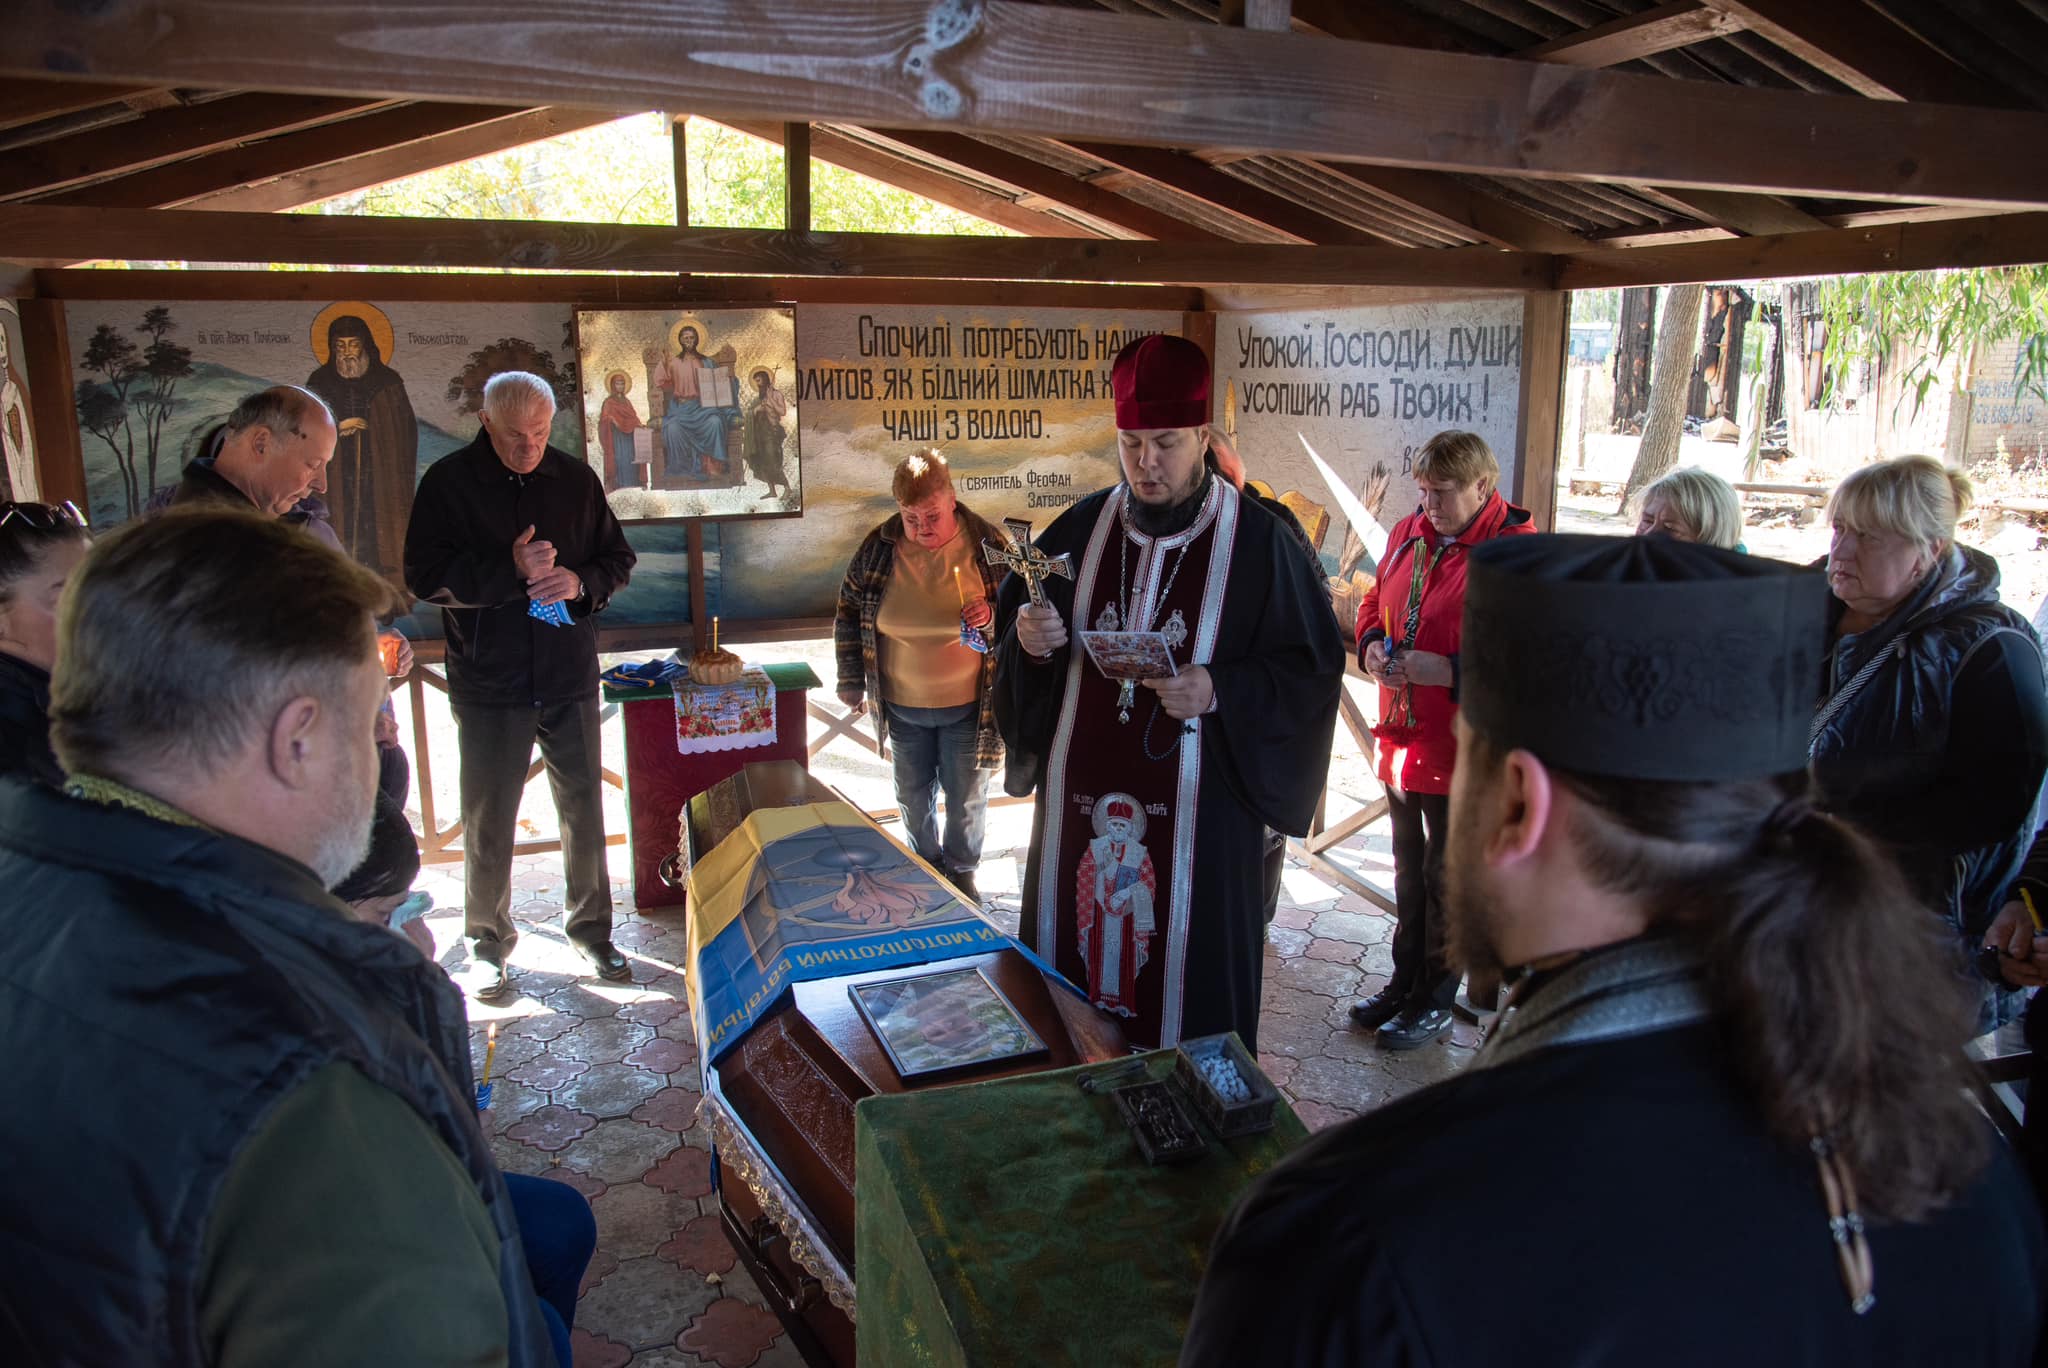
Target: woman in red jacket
[1408, 630]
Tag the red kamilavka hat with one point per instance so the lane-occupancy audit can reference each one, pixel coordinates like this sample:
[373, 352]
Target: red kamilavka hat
[1160, 382]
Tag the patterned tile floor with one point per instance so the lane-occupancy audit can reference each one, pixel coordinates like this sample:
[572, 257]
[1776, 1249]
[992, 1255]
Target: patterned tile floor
[597, 1087]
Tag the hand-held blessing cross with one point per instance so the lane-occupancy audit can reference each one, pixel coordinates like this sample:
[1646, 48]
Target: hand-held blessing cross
[1027, 561]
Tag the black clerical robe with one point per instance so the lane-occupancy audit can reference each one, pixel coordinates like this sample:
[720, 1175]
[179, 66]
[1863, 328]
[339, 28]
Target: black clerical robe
[1629, 1208]
[370, 481]
[1144, 883]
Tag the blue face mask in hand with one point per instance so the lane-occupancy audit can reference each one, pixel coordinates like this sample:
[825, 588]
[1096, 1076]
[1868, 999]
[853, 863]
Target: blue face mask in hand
[553, 614]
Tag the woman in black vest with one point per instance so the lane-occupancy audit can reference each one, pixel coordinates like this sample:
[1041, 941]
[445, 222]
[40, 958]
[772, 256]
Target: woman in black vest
[40, 545]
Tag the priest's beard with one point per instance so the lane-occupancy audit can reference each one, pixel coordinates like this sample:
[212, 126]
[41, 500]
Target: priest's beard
[1164, 520]
[345, 839]
[1471, 907]
[352, 368]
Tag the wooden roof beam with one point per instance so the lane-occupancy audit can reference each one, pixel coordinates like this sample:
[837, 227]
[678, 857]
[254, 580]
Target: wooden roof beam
[596, 290]
[1043, 71]
[1750, 215]
[27, 102]
[1859, 47]
[165, 136]
[1021, 215]
[1051, 183]
[1993, 240]
[1636, 36]
[1192, 176]
[348, 175]
[290, 154]
[35, 234]
[1462, 209]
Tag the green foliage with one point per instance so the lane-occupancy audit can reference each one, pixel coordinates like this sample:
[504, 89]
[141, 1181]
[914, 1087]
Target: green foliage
[1941, 319]
[623, 172]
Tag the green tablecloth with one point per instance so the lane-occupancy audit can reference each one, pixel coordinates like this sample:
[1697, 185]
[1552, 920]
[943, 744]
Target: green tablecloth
[1014, 1222]
[787, 675]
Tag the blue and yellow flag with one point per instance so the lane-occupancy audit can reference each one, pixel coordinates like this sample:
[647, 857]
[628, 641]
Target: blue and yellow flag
[810, 892]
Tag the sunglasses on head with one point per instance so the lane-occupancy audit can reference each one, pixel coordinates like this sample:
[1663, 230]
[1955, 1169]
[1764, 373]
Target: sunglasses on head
[44, 517]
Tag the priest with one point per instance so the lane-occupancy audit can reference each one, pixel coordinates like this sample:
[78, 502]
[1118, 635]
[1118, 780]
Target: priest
[1725, 1117]
[1156, 781]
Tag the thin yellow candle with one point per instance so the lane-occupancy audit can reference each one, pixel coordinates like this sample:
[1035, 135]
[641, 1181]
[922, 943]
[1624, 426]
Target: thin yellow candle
[956, 587]
[714, 634]
[490, 1048]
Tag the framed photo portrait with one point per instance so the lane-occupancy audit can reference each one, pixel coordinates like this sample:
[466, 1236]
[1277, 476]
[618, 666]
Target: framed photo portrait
[947, 1020]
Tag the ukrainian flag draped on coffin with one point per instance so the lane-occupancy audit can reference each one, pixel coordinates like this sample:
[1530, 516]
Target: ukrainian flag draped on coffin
[808, 892]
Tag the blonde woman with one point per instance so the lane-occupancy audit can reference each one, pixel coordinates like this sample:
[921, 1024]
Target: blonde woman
[1932, 733]
[1692, 505]
[912, 586]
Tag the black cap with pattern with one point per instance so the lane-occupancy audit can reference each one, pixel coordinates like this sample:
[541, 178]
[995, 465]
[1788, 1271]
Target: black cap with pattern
[1642, 657]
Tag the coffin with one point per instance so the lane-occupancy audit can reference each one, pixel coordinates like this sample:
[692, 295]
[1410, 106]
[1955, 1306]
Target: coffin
[793, 895]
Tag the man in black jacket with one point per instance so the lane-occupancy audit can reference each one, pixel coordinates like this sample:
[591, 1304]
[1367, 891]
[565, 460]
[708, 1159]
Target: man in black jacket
[311, 1186]
[499, 528]
[1723, 1119]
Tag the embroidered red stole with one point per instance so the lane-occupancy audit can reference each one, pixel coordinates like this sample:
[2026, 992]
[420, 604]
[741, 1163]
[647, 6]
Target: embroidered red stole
[1116, 849]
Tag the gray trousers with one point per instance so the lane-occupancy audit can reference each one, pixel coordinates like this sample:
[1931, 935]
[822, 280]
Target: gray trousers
[496, 745]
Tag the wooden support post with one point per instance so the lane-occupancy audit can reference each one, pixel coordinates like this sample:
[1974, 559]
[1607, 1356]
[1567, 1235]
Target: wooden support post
[1271, 16]
[700, 611]
[1546, 328]
[796, 176]
[679, 153]
[60, 462]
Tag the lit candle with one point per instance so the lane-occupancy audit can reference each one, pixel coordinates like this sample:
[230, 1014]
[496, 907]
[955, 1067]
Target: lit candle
[490, 1048]
[714, 634]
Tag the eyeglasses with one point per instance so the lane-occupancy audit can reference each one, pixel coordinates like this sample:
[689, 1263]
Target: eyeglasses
[43, 517]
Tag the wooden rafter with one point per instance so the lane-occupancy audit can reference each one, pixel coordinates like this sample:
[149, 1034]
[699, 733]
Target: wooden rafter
[919, 178]
[1634, 37]
[1042, 71]
[1051, 184]
[1377, 21]
[1750, 215]
[252, 164]
[35, 234]
[1663, 28]
[1996, 240]
[1461, 208]
[27, 102]
[1859, 47]
[605, 289]
[347, 176]
[165, 136]
[1227, 194]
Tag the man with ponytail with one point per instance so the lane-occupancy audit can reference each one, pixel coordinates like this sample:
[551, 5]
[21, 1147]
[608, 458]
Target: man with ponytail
[1724, 1118]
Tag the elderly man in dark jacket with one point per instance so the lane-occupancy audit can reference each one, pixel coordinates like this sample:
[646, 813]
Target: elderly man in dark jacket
[500, 530]
[243, 1128]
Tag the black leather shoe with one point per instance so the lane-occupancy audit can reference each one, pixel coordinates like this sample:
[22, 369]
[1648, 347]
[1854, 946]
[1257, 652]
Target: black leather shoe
[1413, 1030]
[488, 981]
[965, 883]
[1376, 1010]
[606, 959]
